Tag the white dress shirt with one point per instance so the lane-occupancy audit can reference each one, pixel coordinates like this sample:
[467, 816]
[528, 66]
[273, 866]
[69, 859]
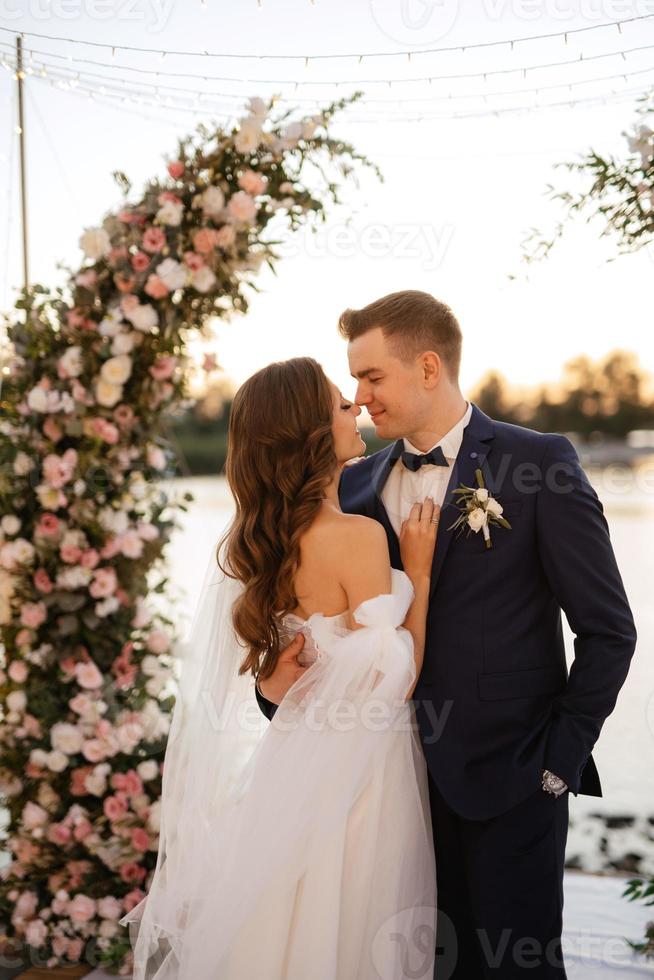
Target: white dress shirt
[404, 487]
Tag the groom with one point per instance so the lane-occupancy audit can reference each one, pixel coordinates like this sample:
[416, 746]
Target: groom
[506, 732]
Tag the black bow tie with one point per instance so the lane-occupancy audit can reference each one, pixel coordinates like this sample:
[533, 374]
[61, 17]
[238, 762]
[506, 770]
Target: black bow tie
[413, 461]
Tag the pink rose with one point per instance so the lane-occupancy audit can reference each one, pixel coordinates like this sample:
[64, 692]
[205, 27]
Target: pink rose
[124, 416]
[104, 583]
[18, 671]
[94, 750]
[252, 182]
[193, 261]
[71, 554]
[158, 641]
[58, 470]
[58, 833]
[129, 303]
[131, 544]
[124, 283]
[36, 932]
[131, 871]
[168, 196]
[42, 581]
[148, 532]
[106, 430]
[110, 548]
[226, 237]
[115, 807]
[82, 908]
[82, 829]
[176, 169]
[140, 262]
[52, 430]
[33, 614]
[131, 899]
[23, 638]
[242, 207]
[75, 950]
[48, 525]
[90, 558]
[156, 287]
[87, 278]
[154, 240]
[205, 240]
[88, 676]
[140, 839]
[163, 367]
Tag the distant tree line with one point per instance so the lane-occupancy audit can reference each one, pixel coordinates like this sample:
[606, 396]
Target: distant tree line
[610, 397]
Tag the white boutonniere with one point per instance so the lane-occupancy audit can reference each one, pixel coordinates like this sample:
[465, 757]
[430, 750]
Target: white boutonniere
[478, 510]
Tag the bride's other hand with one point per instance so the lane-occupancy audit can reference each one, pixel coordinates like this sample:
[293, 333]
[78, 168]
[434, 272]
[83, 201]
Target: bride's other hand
[286, 672]
[418, 538]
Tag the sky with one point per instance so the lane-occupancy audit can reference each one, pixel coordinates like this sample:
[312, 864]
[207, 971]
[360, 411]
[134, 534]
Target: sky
[462, 186]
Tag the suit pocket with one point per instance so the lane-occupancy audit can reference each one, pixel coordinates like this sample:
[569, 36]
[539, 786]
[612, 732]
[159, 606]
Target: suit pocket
[528, 683]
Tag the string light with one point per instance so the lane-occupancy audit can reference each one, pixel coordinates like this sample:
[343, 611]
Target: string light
[123, 84]
[350, 81]
[161, 95]
[333, 56]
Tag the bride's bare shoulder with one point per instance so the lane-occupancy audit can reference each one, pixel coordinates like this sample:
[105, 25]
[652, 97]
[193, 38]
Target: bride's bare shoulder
[342, 534]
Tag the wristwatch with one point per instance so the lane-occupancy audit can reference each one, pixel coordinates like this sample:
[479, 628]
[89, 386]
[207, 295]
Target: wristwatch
[553, 784]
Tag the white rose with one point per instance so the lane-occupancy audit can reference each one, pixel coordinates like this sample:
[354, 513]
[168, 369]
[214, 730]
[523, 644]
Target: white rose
[23, 551]
[155, 457]
[107, 606]
[212, 201]
[48, 497]
[107, 394]
[144, 317]
[22, 464]
[123, 343]
[72, 362]
[10, 524]
[113, 520]
[203, 279]
[111, 324]
[66, 737]
[117, 369]
[248, 137]
[257, 108]
[170, 213]
[37, 399]
[172, 273]
[494, 506]
[57, 761]
[39, 757]
[147, 770]
[477, 518]
[95, 243]
[16, 701]
[292, 133]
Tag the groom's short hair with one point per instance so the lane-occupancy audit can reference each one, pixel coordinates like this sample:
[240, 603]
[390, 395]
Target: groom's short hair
[413, 322]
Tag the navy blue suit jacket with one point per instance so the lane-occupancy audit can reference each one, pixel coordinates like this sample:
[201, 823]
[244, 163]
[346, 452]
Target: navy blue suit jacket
[494, 702]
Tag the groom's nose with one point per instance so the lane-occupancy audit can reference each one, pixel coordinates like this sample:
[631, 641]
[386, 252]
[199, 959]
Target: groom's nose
[361, 397]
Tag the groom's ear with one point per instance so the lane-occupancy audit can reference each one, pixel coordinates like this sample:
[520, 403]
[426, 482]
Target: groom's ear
[432, 367]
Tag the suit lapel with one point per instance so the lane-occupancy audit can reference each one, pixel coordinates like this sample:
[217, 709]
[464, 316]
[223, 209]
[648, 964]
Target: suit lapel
[475, 446]
[383, 466]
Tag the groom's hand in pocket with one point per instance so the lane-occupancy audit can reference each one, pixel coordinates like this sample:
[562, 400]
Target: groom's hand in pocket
[286, 672]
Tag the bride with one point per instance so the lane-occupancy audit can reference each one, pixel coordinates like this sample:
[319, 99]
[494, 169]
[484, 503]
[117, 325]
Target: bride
[300, 848]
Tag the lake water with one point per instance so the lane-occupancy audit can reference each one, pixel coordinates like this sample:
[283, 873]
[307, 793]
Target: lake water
[624, 752]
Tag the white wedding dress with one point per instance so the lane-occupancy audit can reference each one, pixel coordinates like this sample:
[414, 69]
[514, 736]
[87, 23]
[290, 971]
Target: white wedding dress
[311, 858]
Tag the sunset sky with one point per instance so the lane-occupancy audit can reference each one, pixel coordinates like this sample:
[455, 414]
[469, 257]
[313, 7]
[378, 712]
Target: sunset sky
[459, 196]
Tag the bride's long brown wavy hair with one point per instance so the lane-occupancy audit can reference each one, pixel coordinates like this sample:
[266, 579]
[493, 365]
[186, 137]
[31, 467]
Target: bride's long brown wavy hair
[280, 460]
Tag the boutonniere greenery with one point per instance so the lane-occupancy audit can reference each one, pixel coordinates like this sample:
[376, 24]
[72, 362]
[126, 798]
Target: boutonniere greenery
[478, 510]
